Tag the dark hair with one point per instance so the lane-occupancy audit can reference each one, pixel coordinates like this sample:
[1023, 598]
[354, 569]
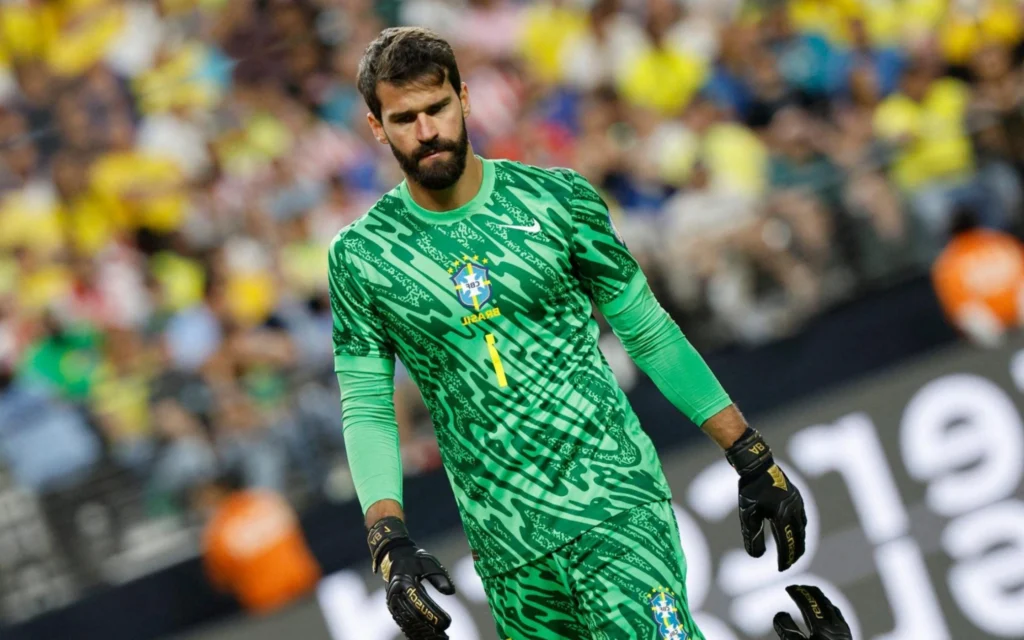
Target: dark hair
[404, 55]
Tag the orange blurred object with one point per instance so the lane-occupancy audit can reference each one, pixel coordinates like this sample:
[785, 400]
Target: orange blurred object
[979, 279]
[253, 547]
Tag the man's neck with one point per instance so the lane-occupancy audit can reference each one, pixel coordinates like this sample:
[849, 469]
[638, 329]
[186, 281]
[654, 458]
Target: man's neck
[464, 190]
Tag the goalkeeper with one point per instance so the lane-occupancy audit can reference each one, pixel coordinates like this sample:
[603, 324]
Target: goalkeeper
[481, 276]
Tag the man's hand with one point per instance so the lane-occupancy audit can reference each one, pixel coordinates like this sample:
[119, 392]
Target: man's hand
[404, 566]
[767, 494]
[823, 618]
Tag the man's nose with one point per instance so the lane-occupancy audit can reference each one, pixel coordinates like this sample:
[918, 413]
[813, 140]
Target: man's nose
[425, 128]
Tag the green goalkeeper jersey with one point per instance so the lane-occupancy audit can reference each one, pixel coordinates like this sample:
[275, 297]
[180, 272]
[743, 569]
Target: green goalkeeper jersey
[489, 308]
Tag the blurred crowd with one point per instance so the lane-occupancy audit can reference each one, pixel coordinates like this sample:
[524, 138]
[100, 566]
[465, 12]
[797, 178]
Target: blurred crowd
[172, 172]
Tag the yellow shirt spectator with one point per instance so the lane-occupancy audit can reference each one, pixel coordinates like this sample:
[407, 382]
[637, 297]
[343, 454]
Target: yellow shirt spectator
[21, 32]
[546, 30]
[174, 82]
[181, 280]
[827, 18]
[259, 141]
[663, 79]
[301, 266]
[963, 33]
[88, 225]
[919, 18]
[934, 142]
[8, 275]
[145, 189]
[736, 159]
[251, 297]
[28, 218]
[79, 32]
[43, 286]
[882, 22]
[122, 403]
[734, 156]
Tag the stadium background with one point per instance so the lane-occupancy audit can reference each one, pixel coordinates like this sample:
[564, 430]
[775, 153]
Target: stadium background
[171, 173]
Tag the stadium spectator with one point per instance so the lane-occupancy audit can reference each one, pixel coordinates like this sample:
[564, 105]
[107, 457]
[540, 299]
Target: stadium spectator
[44, 441]
[884, 61]
[663, 76]
[120, 399]
[934, 164]
[884, 242]
[995, 117]
[798, 164]
[184, 454]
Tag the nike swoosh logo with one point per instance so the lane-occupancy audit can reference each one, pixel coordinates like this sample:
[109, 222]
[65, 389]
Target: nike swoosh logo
[534, 228]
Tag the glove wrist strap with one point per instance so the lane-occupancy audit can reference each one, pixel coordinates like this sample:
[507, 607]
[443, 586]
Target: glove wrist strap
[386, 534]
[750, 454]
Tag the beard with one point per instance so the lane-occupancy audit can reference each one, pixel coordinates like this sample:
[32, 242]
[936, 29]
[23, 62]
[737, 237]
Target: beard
[441, 174]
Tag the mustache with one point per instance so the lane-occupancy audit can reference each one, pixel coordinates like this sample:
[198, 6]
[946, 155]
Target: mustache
[436, 147]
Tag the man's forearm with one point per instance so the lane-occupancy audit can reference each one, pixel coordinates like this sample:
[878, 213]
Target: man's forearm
[657, 345]
[371, 437]
[726, 426]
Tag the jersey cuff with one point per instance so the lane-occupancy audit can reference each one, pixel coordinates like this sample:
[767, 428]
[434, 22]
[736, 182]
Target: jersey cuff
[363, 364]
[706, 413]
[629, 295]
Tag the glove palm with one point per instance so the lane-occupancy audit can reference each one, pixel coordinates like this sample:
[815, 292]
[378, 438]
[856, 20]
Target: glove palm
[404, 567]
[765, 493]
[823, 618]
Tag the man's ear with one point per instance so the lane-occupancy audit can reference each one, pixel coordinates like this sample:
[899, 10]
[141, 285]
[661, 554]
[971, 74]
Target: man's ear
[376, 128]
[464, 99]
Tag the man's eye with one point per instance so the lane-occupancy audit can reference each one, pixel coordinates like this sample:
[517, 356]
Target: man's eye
[436, 109]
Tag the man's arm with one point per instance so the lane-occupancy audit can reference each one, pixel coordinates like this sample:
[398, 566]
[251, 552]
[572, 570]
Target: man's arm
[656, 344]
[616, 284]
[364, 360]
[610, 275]
[371, 436]
[660, 349]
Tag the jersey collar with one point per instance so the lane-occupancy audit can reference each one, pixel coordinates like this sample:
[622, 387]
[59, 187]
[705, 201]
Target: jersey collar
[453, 215]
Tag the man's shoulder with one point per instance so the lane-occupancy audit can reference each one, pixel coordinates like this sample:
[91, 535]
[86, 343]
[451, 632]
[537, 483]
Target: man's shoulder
[517, 167]
[556, 179]
[384, 207]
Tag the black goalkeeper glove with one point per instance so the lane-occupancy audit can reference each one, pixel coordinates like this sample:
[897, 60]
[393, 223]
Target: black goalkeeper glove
[767, 494]
[404, 566]
[823, 618]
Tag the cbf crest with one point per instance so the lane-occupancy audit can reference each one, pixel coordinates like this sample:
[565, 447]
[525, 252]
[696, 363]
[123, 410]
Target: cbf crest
[666, 614]
[471, 277]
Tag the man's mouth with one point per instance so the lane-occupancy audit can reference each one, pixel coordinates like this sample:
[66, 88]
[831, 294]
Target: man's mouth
[432, 154]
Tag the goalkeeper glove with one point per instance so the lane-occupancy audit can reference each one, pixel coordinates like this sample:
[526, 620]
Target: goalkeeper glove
[404, 566]
[823, 618]
[767, 494]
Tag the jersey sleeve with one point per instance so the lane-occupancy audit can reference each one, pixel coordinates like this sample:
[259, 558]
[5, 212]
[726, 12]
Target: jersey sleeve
[657, 345]
[358, 334]
[602, 262]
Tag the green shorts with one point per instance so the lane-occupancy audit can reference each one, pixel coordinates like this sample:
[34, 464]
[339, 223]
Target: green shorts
[624, 579]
